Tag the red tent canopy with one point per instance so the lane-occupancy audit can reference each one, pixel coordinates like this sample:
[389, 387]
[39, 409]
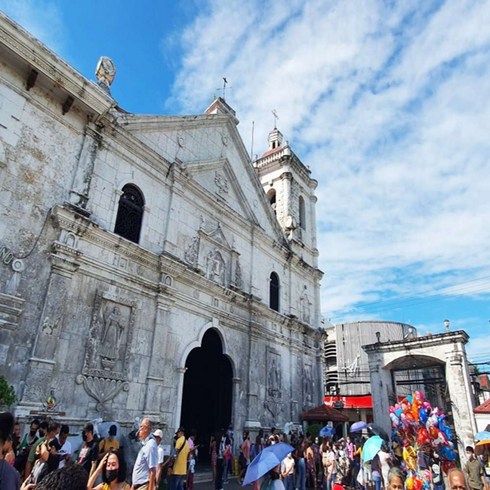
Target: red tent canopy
[323, 413]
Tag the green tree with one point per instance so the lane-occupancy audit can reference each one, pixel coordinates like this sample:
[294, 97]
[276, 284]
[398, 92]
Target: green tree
[314, 429]
[7, 393]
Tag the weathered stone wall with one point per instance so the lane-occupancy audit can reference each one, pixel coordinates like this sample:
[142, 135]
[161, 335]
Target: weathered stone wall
[105, 324]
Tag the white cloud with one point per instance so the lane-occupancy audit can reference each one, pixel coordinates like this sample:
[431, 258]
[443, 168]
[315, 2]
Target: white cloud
[389, 105]
[42, 19]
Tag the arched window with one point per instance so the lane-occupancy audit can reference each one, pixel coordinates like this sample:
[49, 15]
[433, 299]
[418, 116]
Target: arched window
[274, 291]
[302, 215]
[271, 195]
[130, 213]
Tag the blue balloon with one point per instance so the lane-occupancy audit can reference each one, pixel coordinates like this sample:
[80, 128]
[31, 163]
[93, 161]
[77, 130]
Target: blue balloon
[423, 415]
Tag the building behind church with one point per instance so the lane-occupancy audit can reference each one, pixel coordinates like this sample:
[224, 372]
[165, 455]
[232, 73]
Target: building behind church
[147, 265]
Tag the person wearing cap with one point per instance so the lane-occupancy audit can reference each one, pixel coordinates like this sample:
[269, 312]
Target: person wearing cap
[145, 466]
[89, 452]
[179, 469]
[158, 435]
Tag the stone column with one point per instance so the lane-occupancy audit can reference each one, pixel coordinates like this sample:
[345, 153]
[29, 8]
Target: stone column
[286, 185]
[43, 360]
[312, 222]
[252, 423]
[155, 378]
[180, 390]
[459, 386]
[235, 415]
[382, 388]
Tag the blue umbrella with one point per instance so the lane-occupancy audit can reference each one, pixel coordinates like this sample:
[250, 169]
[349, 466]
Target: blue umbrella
[371, 448]
[481, 436]
[268, 458]
[358, 426]
[326, 431]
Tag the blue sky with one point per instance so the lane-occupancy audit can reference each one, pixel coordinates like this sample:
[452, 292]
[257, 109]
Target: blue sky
[387, 102]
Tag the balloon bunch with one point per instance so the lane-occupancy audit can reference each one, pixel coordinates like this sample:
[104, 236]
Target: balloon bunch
[415, 424]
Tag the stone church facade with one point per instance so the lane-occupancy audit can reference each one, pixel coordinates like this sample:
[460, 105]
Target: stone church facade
[125, 239]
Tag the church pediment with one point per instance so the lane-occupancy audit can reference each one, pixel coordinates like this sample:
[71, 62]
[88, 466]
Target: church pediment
[209, 150]
[219, 179]
[215, 235]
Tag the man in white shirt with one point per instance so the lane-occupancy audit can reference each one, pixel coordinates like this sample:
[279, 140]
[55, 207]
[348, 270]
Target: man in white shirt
[158, 435]
[145, 466]
[65, 452]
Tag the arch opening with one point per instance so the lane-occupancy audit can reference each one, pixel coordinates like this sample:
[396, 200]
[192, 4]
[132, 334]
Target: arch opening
[207, 393]
[421, 373]
[130, 213]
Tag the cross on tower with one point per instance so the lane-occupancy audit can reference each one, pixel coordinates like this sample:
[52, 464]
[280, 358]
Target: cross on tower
[276, 117]
[225, 82]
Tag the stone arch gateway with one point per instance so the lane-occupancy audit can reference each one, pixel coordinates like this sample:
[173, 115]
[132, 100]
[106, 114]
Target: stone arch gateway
[445, 352]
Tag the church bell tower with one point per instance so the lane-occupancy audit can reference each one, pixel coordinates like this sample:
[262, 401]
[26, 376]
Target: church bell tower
[290, 190]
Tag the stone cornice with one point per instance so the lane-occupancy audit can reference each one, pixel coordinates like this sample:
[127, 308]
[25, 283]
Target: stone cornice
[47, 63]
[418, 342]
[287, 160]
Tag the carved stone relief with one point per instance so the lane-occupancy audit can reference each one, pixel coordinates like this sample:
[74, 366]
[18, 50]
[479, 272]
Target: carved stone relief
[305, 308]
[215, 267]
[104, 372]
[238, 275]
[273, 374]
[192, 253]
[221, 183]
[307, 384]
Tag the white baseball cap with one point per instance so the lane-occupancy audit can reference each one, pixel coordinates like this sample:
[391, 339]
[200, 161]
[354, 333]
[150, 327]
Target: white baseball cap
[158, 433]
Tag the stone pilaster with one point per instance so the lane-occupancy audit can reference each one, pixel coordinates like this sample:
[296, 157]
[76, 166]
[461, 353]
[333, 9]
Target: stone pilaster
[83, 176]
[382, 388]
[155, 379]
[180, 389]
[458, 383]
[43, 360]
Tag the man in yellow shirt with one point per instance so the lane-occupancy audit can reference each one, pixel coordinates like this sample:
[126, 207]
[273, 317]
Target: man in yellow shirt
[179, 469]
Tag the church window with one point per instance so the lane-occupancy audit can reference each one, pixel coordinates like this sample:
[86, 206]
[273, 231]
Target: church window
[271, 195]
[302, 214]
[274, 291]
[130, 213]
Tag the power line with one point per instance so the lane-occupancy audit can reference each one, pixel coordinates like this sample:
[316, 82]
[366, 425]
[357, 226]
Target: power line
[474, 286]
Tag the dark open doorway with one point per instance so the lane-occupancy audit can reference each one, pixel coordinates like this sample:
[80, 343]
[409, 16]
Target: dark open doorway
[207, 395]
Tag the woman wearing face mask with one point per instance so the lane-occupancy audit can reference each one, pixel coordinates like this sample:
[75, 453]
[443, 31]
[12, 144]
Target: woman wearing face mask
[113, 471]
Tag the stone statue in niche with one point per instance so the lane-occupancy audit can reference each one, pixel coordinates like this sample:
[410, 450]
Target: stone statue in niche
[216, 267]
[110, 340]
[274, 375]
[104, 372]
[192, 253]
[307, 384]
[238, 275]
[109, 337]
[305, 309]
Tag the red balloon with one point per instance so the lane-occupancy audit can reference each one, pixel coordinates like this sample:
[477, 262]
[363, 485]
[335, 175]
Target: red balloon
[423, 436]
[433, 431]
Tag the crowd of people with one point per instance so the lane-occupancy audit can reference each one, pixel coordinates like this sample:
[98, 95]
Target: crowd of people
[43, 458]
[322, 463]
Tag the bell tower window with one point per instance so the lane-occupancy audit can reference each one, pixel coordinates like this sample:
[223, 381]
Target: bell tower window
[130, 213]
[274, 291]
[302, 214]
[271, 195]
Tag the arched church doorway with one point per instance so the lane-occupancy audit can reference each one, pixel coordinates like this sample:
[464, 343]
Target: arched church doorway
[207, 394]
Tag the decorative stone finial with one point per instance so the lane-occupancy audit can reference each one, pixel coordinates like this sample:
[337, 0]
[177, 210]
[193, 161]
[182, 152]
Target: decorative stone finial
[105, 73]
